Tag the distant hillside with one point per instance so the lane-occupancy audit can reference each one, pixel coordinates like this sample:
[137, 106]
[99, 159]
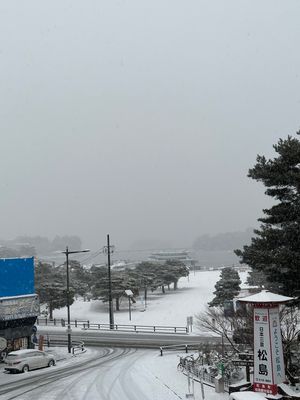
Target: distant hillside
[32, 245]
[224, 241]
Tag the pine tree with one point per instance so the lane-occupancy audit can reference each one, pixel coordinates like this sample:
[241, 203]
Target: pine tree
[256, 278]
[227, 287]
[51, 288]
[275, 250]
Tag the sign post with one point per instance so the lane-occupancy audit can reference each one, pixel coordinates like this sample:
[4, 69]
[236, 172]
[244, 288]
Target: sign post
[189, 322]
[129, 294]
[268, 354]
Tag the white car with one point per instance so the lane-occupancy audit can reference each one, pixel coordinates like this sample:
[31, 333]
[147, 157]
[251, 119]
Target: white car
[26, 360]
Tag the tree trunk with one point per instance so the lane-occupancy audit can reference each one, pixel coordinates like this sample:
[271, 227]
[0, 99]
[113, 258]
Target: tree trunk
[117, 304]
[168, 286]
[175, 285]
[163, 289]
[50, 311]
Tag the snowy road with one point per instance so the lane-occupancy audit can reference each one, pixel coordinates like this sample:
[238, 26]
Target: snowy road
[110, 374]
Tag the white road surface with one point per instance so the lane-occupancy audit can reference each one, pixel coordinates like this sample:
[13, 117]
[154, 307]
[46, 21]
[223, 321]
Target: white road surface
[105, 374]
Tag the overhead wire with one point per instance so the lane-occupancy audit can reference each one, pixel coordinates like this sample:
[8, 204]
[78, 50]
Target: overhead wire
[92, 256]
[100, 251]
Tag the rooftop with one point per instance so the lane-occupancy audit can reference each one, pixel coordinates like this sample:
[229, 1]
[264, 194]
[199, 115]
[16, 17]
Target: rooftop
[265, 297]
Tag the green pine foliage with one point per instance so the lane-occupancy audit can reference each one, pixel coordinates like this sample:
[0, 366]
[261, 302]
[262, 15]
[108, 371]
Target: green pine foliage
[145, 276]
[50, 285]
[227, 287]
[256, 278]
[50, 281]
[275, 250]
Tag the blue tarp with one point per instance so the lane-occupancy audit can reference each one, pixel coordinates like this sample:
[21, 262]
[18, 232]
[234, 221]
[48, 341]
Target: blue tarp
[16, 276]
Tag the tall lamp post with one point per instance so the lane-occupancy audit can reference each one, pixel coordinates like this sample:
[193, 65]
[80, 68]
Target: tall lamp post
[67, 252]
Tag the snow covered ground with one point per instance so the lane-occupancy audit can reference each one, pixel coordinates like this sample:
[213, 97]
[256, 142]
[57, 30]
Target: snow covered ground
[172, 308]
[141, 374]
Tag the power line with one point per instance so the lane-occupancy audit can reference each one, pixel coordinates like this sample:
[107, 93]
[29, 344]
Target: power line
[153, 250]
[93, 255]
[99, 252]
[82, 261]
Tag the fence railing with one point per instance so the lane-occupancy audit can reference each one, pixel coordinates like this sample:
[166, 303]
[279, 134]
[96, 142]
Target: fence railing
[85, 324]
[200, 374]
[184, 347]
[191, 346]
[77, 346]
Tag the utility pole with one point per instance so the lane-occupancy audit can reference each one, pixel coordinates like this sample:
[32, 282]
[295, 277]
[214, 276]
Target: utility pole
[69, 330]
[145, 293]
[108, 249]
[68, 301]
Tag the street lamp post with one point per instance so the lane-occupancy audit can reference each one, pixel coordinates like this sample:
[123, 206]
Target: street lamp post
[129, 294]
[67, 252]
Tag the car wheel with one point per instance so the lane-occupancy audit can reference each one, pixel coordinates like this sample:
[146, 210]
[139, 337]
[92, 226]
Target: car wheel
[51, 363]
[25, 368]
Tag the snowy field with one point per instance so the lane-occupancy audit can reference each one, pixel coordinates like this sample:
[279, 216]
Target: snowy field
[171, 308]
[141, 374]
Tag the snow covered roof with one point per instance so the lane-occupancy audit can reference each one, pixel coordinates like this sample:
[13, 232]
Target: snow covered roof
[21, 296]
[265, 297]
[24, 351]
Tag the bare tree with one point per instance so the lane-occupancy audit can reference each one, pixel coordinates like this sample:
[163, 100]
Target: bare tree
[213, 320]
[290, 331]
[238, 328]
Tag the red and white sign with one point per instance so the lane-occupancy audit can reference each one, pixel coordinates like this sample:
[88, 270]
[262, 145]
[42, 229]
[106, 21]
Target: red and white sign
[268, 355]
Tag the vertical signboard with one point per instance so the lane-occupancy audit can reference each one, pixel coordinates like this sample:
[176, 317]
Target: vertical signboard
[263, 377]
[268, 355]
[276, 340]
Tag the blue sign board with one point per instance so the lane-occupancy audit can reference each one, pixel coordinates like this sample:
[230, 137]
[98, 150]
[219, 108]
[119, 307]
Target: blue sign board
[16, 276]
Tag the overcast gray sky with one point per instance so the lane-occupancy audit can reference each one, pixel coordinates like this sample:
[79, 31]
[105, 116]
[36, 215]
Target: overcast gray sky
[141, 118]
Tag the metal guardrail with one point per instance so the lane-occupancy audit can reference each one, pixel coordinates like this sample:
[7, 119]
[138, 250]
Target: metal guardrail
[77, 346]
[85, 324]
[191, 346]
[184, 347]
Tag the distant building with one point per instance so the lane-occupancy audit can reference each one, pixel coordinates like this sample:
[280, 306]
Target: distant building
[178, 255]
